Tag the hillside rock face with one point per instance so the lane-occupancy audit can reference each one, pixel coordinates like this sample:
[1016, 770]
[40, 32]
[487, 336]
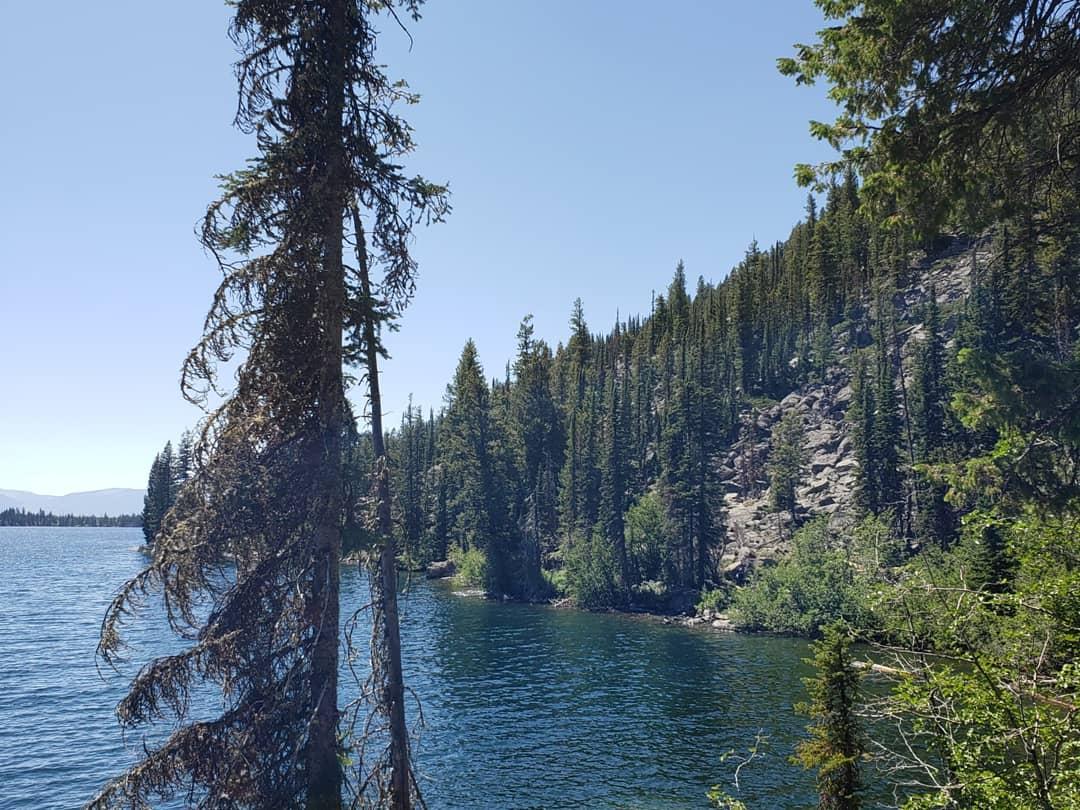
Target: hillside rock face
[757, 535]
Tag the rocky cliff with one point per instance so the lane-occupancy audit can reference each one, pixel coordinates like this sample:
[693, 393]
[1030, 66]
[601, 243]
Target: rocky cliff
[754, 533]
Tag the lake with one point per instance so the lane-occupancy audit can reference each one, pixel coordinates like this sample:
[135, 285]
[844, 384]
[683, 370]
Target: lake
[524, 706]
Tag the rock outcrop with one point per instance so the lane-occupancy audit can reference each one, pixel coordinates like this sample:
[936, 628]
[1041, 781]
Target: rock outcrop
[441, 569]
[756, 535]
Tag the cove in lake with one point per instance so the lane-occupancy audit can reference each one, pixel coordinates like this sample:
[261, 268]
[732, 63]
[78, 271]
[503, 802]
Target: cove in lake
[524, 706]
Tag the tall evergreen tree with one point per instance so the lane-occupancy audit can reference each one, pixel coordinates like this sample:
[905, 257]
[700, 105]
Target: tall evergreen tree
[268, 489]
[536, 430]
[861, 418]
[836, 743]
[787, 464]
[475, 514]
[577, 472]
[613, 496]
[160, 492]
[185, 462]
[886, 424]
[929, 427]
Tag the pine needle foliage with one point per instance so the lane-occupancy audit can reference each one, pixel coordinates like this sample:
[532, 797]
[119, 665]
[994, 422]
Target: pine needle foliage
[836, 742]
[247, 560]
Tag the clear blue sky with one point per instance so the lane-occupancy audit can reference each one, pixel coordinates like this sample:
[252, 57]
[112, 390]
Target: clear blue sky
[589, 146]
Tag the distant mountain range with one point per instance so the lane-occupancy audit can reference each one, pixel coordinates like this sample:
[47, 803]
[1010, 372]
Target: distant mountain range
[97, 502]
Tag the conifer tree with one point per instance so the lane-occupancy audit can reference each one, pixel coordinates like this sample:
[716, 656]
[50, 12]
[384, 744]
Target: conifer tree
[409, 468]
[935, 519]
[268, 488]
[160, 492]
[184, 458]
[577, 470]
[836, 743]
[787, 464]
[536, 430]
[466, 437]
[886, 426]
[613, 497]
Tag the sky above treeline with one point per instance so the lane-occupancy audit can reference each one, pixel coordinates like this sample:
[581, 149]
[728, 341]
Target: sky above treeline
[589, 147]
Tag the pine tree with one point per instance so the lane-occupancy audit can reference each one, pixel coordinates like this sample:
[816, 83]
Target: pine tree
[409, 468]
[535, 428]
[886, 425]
[836, 743]
[577, 472]
[787, 464]
[861, 418]
[676, 475]
[270, 491]
[475, 515]
[613, 496]
[935, 519]
[160, 492]
[185, 461]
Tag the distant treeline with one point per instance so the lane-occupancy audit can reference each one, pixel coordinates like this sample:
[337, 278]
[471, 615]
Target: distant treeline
[21, 517]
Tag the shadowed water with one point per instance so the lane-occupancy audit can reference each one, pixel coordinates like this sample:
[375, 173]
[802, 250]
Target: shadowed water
[525, 707]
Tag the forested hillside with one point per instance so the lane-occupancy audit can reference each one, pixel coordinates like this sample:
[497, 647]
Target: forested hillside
[868, 431]
[885, 408]
[857, 433]
[670, 450]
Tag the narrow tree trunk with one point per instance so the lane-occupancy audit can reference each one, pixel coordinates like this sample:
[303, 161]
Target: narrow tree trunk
[324, 769]
[393, 695]
[913, 508]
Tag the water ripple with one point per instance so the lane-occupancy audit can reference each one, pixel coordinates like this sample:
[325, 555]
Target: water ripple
[525, 707]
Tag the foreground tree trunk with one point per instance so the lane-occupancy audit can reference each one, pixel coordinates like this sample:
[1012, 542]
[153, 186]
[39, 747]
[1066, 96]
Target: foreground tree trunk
[248, 559]
[392, 683]
[323, 762]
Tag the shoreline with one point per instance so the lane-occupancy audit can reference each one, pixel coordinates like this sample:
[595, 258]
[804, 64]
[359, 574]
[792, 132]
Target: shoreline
[712, 621]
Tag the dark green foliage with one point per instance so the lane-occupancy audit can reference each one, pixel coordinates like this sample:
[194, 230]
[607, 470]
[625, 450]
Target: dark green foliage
[21, 517]
[160, 492]
[613, 481]
[247, 560]
[536, 433]
[410, 464]
[618, 436]
[934, 521]
[185, 461]
[836, 743]
[815, 585]
[591, 572]
[787, 463]
[949, 110]
[476, 511]
[875, 422]
[886, 476]
[962, 115]
[861, 418]
[648, 534]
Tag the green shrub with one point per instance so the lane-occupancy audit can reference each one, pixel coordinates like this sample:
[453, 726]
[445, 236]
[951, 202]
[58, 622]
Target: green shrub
[813, 587]
[715, 599]
[556, 581]
[590, 573]
[471, 566]
[648, 533]
[652, 595]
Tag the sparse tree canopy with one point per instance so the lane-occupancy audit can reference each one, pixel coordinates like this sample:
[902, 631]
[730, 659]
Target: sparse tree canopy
[248, 559]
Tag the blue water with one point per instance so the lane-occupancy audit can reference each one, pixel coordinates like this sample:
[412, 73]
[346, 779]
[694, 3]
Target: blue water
[525, 707]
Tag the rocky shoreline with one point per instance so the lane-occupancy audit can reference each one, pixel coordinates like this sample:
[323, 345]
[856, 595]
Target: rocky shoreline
[707, 620]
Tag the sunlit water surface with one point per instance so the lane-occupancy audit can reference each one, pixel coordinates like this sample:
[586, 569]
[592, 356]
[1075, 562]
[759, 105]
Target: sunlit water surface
[524, 706]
